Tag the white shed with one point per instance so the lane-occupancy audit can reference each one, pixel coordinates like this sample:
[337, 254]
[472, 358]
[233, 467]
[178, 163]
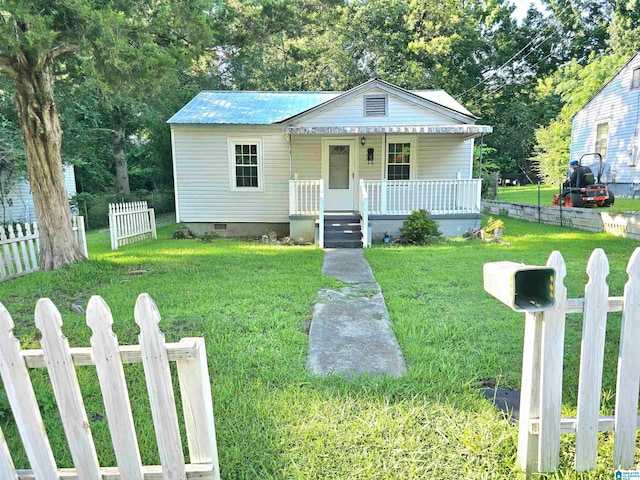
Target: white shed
[19, 206]
[609, 124]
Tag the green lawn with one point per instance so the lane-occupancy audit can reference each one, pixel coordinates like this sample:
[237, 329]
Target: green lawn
[253, 304]
[529, 194]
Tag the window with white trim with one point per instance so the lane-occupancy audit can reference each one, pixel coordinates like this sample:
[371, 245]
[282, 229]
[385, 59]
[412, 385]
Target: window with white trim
[245, 156]
[399, 161]
[602, 139]
[635, 79]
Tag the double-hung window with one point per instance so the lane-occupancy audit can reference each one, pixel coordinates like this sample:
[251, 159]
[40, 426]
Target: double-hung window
[245, 157]
[635, 79]
[399, 161]
[602, 138]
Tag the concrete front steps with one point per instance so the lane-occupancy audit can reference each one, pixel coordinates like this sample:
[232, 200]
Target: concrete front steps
[342, 230]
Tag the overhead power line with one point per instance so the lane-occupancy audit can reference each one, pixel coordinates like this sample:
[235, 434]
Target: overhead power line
[494, 72]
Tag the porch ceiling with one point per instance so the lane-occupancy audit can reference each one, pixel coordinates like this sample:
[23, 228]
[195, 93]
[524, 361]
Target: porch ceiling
[467, 131]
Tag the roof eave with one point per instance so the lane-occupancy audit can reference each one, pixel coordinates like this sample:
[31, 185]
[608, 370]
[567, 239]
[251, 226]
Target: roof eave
[460, 116]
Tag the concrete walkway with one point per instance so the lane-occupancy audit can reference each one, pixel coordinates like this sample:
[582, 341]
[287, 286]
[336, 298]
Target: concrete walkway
[350, 331]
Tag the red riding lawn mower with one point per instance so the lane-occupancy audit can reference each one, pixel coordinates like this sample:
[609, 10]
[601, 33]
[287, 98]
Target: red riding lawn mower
[587, 192]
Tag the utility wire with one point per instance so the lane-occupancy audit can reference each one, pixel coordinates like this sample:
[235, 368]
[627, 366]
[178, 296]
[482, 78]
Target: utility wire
[500, 87]
[513, 57]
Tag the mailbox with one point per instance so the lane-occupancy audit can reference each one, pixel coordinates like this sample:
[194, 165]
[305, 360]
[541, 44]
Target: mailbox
[524, 288]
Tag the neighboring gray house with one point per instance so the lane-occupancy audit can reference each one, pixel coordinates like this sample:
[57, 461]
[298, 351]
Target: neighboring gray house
[301, 163]
[18, 205]
[609, 124]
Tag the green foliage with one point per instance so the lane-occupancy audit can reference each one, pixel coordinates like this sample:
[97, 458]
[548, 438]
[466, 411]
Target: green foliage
[419, 228]
[95, 208]
[128, 60]
[183, 233]
[575, 85]
[207, 237]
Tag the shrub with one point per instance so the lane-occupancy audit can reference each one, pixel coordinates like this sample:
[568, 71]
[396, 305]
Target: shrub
[419, 228]
[207, 237]
[183, 233]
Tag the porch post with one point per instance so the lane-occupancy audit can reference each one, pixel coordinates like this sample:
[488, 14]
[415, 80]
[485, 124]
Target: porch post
[292, 201]
[383, 198]
[321, 216]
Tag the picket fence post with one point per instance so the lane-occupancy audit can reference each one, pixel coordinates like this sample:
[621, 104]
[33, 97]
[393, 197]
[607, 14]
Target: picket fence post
[628, 381]
[108, 357]
[596, 293]
[114, 388]
[158, 376]
[80, 235]
[66, 389]
[198, 411]
[22, 400]
[541, 423]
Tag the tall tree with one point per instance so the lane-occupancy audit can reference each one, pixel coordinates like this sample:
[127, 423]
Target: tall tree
[34, 36]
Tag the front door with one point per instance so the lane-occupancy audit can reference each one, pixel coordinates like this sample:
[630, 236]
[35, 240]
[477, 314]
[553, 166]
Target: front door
[338, 173]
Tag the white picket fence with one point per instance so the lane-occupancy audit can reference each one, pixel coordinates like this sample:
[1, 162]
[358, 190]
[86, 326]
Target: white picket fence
[108, 357]
[541, 396]
[130, 223]
[20, 245]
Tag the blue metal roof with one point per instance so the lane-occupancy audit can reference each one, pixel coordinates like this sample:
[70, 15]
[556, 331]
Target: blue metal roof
[252, 108]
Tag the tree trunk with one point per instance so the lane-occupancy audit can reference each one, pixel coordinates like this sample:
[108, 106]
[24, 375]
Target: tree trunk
[122, 168]
[42, 138]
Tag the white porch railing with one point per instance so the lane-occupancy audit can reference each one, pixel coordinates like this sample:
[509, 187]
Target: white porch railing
[364, 211]
[304, 197]
[401, 197]
[395, 197]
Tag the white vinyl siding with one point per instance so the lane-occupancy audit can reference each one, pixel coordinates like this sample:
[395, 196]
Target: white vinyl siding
[375, 170]
[202, 177]
[400, 112]
[617, 105]
[435, 156]
[69, 180]
[443, 157]
[19, 204]
[375, 105]
[307, 157]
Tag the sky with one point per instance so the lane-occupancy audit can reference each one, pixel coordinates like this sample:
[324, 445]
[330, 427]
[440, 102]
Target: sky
[523, 5]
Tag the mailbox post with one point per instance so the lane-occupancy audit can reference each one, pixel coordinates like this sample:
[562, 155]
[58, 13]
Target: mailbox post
[539, 293]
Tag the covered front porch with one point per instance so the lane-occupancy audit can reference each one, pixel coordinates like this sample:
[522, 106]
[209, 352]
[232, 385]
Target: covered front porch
[382, 205]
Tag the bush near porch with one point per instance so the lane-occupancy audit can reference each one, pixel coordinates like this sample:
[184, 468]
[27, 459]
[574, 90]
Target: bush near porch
[252, 303]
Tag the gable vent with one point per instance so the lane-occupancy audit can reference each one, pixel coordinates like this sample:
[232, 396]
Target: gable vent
[375, 105]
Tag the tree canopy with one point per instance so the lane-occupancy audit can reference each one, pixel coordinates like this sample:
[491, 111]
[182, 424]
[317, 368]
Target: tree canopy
[114, 44]
[120, 69]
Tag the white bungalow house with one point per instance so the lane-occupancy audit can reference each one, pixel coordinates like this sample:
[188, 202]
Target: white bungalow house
[609, 124]
[17, 204]
[324, 165]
